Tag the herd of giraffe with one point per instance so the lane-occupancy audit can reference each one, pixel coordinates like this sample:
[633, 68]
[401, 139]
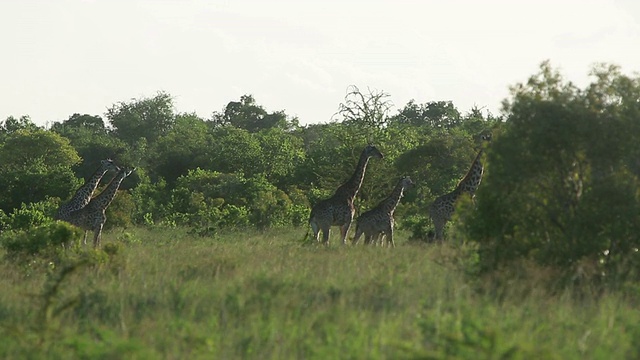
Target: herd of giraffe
[377, 224]
[88, 213]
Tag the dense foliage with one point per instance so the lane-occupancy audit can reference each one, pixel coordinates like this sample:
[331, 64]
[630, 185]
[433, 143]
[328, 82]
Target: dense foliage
[561, 184]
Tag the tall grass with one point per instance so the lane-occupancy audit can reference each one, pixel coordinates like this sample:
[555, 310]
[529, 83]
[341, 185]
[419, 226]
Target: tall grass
[266, 295]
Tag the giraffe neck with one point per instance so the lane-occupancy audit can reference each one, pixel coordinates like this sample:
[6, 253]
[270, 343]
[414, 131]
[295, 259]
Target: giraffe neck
[350, 188]
[105, 198]
[471, 180]
[83, 195]
[93, 182]
[389, 204]
[449, 198]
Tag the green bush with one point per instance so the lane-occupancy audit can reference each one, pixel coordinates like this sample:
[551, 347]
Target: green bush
[419, 226]
[29, 215]
[119, 213]
[209, 201]
[44, 240]
[558, 187]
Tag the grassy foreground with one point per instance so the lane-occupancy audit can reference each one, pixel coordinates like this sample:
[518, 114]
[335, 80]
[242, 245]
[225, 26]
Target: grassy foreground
[165, 294]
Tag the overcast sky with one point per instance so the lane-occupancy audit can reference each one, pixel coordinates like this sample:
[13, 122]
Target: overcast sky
[60, 57]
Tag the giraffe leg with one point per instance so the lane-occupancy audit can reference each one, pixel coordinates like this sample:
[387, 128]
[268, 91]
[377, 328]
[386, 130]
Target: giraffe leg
[371, 238]
[97, 235]
[439, 226]
[325, 235]
[344, 230]
[316, 230]
[366, 238]
[84, 241]
[389, 236]
[356, 238]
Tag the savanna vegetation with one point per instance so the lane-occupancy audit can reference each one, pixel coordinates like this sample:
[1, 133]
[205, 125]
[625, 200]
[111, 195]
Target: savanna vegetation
[205, 255]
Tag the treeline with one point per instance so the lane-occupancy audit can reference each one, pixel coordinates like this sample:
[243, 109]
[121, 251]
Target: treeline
[560, 187]
[244, 166]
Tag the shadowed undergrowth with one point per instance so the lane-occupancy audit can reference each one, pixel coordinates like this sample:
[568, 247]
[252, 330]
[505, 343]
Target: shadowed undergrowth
[264, 295]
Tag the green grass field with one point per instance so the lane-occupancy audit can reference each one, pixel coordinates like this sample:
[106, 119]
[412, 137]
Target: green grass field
[165, 294]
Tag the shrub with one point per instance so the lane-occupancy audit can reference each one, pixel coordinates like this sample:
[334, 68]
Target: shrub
[120, 211]
[45, 240]
[558, 189]
[30, 215]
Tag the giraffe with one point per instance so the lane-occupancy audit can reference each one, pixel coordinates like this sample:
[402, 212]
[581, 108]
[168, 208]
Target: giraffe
[338, 209]
[378, 222]
[443, 207]
[92, 217]
[83, 195]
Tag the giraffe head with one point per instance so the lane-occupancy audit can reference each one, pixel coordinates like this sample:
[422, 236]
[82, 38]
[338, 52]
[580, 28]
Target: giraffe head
[485, 138]
[108, 164]
[126, 171]
[407, 182]
[372, 151]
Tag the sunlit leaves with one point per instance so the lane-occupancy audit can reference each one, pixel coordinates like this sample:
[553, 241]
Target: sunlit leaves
[558, 186]
[146, 117]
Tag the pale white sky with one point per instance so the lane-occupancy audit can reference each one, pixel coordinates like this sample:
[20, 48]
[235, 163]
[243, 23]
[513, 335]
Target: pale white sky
[59, 57]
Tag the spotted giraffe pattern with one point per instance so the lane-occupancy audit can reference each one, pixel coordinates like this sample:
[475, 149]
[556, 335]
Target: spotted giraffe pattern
[378, 222]
[471, 181]
[442, 209]
[338, 210]
[83, 195]
[92, 217]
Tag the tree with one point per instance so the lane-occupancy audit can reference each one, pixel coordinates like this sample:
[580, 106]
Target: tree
[246, 114]
[233, 150]
[558, 187]
[12, 124]
[181, 149]
[370, 111]
[91, 139]
[147, 118]
[433, 114]
[24, 146]
[93, 124]
[439, 162]
[282, 152]
[36, 165]
[364, 115]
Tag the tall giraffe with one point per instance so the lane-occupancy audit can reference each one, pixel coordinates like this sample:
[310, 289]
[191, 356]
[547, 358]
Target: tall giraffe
[338, 209]
[92, 217]
[378, 222]
[83, 195]
[443, 207]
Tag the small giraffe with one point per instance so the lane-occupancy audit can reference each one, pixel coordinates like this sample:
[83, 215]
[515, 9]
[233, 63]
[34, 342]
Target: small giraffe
[443, 207]
[92, 217]
[83, 195]
[378, 222]
[338, 209]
